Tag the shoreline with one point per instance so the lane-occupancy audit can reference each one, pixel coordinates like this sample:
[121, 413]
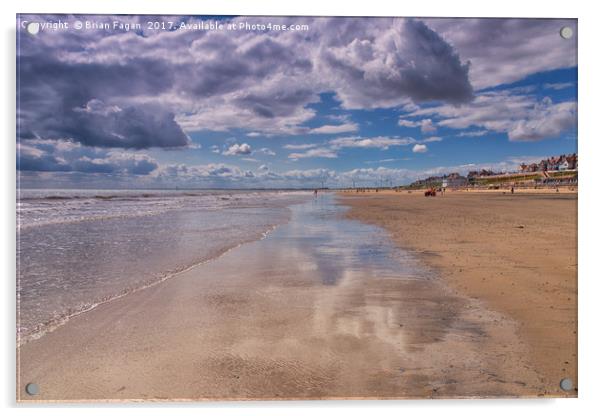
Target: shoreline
[51, 326]
[522, 272]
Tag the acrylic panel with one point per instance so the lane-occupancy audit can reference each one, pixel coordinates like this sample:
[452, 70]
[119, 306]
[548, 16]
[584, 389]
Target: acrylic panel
[267, 208]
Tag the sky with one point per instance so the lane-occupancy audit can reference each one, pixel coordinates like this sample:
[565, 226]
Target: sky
[328, 102]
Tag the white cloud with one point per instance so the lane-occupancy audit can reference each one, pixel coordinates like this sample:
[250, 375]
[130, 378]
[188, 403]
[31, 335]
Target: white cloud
[45, 155]
[300, 146]
[419, 148]
[334, 129]
[96, 106]
[311, 153]
[188, 173]
[265, 151]
[432, 139]
[29, 151]
[509, 164]
[390, 160]
[376, 176]
[379, 142]
[476, 133]
[546, 121]
[427, 126]
[409, 123]
[310, 174]
[399, 176]
[238, 149]
[558, 85]
[522, 117]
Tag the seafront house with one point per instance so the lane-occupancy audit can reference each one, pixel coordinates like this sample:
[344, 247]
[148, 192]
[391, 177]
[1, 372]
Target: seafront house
[562, 162]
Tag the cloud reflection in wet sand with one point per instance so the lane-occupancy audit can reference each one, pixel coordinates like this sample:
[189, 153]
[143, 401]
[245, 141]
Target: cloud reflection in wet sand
[383, 324]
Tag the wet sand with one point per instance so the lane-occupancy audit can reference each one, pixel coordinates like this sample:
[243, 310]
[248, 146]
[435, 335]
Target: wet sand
[516, 253]
[323, 307]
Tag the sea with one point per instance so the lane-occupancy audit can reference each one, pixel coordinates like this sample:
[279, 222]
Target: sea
[77, 249]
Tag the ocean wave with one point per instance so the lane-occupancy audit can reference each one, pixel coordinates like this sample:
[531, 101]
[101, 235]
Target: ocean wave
[25, 335]
[38, 208]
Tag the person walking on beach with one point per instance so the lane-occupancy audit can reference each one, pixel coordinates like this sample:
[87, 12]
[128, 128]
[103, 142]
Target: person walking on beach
[315, 193]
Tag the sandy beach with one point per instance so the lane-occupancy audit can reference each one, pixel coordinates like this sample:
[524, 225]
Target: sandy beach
[323, 307]
[516, 253]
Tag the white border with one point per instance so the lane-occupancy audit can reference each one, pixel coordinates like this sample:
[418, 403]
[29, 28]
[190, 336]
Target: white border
[590, 288]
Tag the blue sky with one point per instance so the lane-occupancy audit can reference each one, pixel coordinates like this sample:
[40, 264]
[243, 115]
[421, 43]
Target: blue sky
[355, 100]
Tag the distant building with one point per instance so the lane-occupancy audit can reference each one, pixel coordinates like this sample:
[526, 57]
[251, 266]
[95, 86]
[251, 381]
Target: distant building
[542, 166]
[457, 182]
[562, 162]
[475, 177]
[481, 173]
[452, 180]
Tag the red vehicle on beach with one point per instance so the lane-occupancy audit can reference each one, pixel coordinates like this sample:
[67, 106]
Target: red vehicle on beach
[430, 192]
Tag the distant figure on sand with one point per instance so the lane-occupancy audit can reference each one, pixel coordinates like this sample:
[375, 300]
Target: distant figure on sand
[315, 193]
[512, 190]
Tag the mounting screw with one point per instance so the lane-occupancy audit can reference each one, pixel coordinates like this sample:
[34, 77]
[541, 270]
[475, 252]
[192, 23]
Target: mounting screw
[566, 384]
[566, 32]
[33, 28]
[32, 389]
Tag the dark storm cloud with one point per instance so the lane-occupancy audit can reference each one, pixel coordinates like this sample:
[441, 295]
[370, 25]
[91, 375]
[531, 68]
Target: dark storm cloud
[55, 103]
[267, 105]
[409, 60]
[233, 67]
[131, 127]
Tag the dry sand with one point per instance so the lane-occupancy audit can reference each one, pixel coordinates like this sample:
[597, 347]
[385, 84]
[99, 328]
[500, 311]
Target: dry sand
[516, 253]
